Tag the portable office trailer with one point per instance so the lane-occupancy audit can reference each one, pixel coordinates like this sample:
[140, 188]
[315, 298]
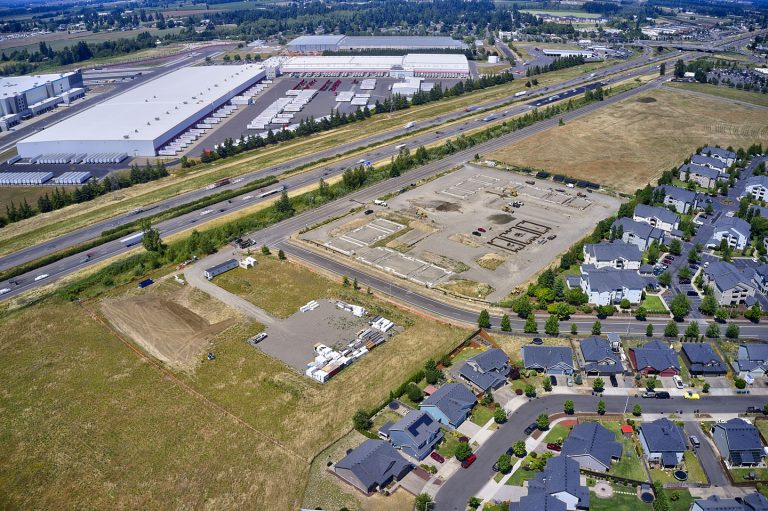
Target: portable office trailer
[224, 267]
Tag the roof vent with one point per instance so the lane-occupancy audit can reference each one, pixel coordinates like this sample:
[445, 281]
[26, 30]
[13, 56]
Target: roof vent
[156, 118]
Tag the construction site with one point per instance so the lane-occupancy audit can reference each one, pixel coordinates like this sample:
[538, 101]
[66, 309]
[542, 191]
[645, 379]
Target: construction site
[477, 232]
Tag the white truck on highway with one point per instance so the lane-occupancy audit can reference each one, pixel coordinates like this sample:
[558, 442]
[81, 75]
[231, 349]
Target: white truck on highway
[521, 93]
[410, 125]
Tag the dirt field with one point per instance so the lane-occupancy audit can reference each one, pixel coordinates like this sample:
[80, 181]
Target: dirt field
[627, 145]
[461, 234]
[171, 322]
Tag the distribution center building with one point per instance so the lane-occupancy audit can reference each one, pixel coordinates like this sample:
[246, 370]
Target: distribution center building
[141, 120]
[413, 64]
[22, 96]
[320, 43]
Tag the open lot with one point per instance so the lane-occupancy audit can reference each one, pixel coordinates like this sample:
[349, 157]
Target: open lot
[629, 144]
[723, 92]
[459, 233]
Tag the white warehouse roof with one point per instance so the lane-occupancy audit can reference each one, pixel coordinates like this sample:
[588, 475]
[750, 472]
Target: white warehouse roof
[140, 120]
[416, 62]
[13, 85]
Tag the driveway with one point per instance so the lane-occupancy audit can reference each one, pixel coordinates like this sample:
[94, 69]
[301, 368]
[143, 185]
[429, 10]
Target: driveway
[707, 456]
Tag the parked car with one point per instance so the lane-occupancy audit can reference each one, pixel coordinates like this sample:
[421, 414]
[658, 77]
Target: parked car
[475, 233]
[481, 229]
[648, 394]
[531, 428]
[368, 211]
[684, 280]
[260, 337]
[754, 409]
[691, 395]
[510, 451]
[678, 382]
[463, 439]
[552, 379]
[554, 447]
[692, 292]
[437, 457]
[468, 462]
[694, 441]
[663, 394]
[613, 380]
[569, 382]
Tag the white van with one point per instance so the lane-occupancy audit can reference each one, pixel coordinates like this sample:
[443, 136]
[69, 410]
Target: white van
[678, 381]
[380, 203]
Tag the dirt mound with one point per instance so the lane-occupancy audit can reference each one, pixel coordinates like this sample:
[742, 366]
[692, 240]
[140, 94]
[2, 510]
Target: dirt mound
[167, 330]
[501, 218]
[646, 99]
[439, 205]
[491, 261]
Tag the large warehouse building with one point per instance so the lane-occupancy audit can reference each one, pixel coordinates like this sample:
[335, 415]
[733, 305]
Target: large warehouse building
[139, 121]
[22, 96]
[320, 43]
[413, 64]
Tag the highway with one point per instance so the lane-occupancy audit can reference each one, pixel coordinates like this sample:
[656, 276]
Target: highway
[465, 483]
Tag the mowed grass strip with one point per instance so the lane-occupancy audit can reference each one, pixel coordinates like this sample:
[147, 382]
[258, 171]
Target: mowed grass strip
[724, 92]
[627, 145]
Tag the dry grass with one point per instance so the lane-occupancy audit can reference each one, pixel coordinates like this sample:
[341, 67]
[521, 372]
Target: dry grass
[724, 92]
[468, 288]
[17, 194]
[627, 145]
[511, 344]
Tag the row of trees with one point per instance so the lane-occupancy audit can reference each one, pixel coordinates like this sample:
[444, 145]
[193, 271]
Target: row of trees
[558, 63]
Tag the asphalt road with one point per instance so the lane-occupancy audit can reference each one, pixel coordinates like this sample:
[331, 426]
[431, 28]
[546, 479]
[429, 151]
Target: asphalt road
[708, 459]
[467, 482]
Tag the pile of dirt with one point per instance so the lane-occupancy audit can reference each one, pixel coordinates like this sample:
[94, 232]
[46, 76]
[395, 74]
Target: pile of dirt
[501, 218]
[167, 330]
[491, 261]
[646, 99]
[444, 262]
[468, 288]
[439, 205]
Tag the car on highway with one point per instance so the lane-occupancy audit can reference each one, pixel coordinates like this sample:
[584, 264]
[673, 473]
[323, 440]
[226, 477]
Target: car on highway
[694, 441]
[689, 394]
[5, 290]
[437, 457]
[468, 462]
[554, 447]
[531, 428]
[206, 212]
[41, 277]
[663, 394]
[247, 197]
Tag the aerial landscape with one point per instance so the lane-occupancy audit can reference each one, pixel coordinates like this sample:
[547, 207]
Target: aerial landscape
[385, 255]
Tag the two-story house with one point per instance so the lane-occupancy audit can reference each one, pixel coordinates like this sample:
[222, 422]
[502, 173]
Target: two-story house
[617, 254]
[757, 187]
[486, 371]
[738, 442]
[637, 233]
[450, 405]
[684, 201]
[655, 216]
[724, 155]
[416, 434]
[729, 285]
[598, 358]
[735, 231]
[607, 286]
[548, 359]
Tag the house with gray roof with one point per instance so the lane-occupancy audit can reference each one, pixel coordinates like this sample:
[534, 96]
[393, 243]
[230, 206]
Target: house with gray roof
[609, 286]
[715, 503]
[734, 230]
[655, 216]
[757, 187]
[707, 161]
[416, 434]
[702, 360]
[486, 371]
[681, 199]
[592, 446]
[757, 210]
[724, 155]
[760, 278]
[561, 479]
[539, 502]
[598, 358]
[616, 254]
[449, 405]
[372, 465]
[548, 359]
[663, 442]
[755, 502]
[655, 357]
[738, 442]
[751, 360]
[706, 177]
[637, 233]
[729, 285]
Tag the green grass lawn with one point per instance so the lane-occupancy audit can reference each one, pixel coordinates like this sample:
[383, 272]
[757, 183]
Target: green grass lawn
[619, 502]
[692, 466]
[466, 353]
[557, 432]
[630, 465]
[653, 304]
[447, 447]
[684, 501]
[722, 91]
[481, 414]
[740, 474]
[521, 475]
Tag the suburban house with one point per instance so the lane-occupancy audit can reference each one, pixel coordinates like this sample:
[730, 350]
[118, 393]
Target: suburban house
[724, 155]
[372, 465]
[715, 503]
[734, 230]
[617, 254]
[702, 360]
[707, 161]
[486, 371]
[738, 442]
[751, 360]
[597, 357]
[730, 286]
[706, 177]
[607, 286]
[561, 479]
[755, 502]
[757, 187]
[416, 434]
[592, 446]
[658, 217]
[548, 359]
[450, 405]
[663, 442]
[637, 233]
[681, 199]
[760, 278]
[655, 357]
[538, 501]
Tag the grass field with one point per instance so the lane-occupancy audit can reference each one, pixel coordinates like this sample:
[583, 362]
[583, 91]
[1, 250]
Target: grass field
[481, 415]
[653, 304]
[59, 40]
[724, 92]
[630, 465]
[576, 14]
[17, 194]
[628, 144]
[618, 502]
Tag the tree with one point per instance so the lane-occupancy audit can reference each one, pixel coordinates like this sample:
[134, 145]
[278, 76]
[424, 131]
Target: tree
[474, 502]
[625, 304]
[530, 390]
[641, 313]
[662, 69]
[705, 388]
[361, 420]
[506, 326]
[650, 384]
[713, 331]
[546, 384]
[574, 329]
[284, 206]
[601, 407]
[530, 326]
[598, 385]
[665, 279]
[692, 332]
[740, 383]
[345, 281]
[732, 331]
[679, 68]
[670, 330]
[414, 392]
[499, 415]
[721, 314]
[679, 306]
[484, 319]
[355, 285]
[463, 451]
[552, 326]
[676, 247]
[649, 330]
[487, 398]
[753, 313]
[708, 305]
[423, 502]
[597, 327]
[519, 448]
[542, 422]
[637, 411]
[568, 406]
[522, 307]
[281, 255]
[151, 239]
[265, 250]
[431, 373]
